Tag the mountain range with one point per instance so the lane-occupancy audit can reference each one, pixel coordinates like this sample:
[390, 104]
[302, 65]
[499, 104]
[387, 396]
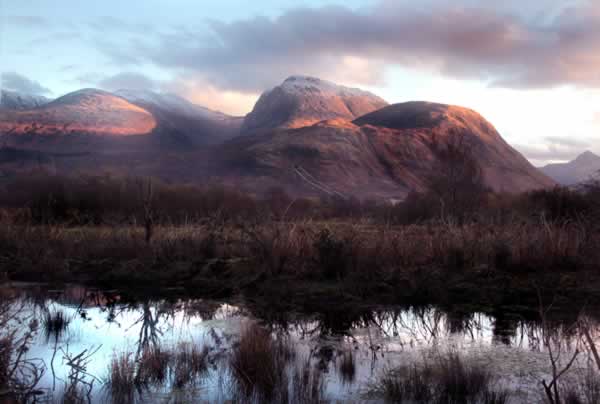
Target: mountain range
[583, 168]
[309, 136]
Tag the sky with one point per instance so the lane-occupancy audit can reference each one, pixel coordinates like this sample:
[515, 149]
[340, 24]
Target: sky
[531, 68]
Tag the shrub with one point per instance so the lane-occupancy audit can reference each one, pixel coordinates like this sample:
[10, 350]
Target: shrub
[559, 203]
[331, 255]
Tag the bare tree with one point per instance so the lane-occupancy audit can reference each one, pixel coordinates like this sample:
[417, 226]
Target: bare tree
[552, 341]
[147, 199]
[457, 180]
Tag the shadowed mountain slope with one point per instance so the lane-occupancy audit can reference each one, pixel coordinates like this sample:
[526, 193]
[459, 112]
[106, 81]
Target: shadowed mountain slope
[386, 153]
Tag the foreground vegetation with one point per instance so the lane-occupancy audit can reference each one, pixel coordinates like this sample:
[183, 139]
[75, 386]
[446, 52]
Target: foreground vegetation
[217, 242]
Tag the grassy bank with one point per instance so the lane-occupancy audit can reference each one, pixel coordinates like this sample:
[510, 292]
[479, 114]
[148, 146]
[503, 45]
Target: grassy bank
[448, 245]
[326, 260]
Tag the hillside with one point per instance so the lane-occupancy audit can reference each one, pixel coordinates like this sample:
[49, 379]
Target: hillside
[386, 153]
[179, 117]
[89, 111]
[302, 101]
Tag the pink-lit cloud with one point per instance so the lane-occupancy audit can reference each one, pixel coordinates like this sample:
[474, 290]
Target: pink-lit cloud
[464, 39]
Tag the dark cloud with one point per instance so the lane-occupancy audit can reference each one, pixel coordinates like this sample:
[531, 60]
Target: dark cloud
[15, 82]
[472, 40]
[129, 81]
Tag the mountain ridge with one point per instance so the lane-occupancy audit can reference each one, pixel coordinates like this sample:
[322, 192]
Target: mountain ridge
[386, 154]
[88, 111]
[584, 167]
[328, 139]
[13, 100]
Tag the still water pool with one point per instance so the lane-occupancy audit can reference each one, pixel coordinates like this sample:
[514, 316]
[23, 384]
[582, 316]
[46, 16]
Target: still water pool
[101, 325]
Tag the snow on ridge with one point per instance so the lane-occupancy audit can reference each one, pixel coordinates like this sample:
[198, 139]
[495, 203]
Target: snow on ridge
[170, 101]
[306, 84]
[14, 100]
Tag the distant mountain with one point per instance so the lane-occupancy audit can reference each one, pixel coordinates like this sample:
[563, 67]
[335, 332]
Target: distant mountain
[385, 154]
[16, 101]
[178, 116]
[584, 167]
[86, 111]
[302, 101]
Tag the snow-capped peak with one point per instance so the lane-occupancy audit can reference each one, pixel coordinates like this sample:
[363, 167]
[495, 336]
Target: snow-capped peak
[305, 84]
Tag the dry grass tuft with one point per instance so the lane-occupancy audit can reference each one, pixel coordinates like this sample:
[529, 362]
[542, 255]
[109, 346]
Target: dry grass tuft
[122, 383]
[446, 380]
[258, 363]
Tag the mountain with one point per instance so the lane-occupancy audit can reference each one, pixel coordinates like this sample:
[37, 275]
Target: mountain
[179, 117]
[309, 136]
[302, 101]
[384, 154]
[93, 120]
[86, 111]
[11, 100]
[584, 167]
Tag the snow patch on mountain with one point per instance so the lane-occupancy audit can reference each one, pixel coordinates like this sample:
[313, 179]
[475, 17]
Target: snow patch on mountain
[171, 102]
[306, 85]
[16, 101]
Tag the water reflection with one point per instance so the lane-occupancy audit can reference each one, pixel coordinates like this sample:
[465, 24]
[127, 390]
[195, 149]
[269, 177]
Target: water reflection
[83, 330]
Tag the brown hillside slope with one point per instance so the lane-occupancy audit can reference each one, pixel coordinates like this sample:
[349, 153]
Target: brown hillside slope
[386, 153]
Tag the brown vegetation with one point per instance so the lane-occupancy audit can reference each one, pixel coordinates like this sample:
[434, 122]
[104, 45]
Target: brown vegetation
[121, 231]
[446, 379]
[259, 363]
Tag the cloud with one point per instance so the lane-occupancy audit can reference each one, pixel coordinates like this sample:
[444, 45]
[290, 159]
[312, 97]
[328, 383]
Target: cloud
[67, 68]
[555, 148]
[109, 23]
[208, 95]
[87, 79]
[57, 37]
[15, 82]
[129, 81]
[549, 46]
[26, 21]
[566, 141]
